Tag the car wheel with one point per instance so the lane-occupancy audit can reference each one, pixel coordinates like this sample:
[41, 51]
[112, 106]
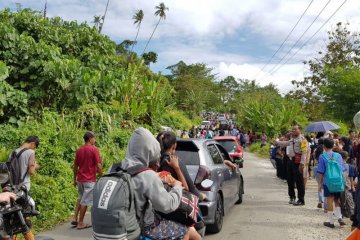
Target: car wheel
[219, 217]
[241, 188]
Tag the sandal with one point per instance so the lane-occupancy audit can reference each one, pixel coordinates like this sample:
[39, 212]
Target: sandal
[84, 227]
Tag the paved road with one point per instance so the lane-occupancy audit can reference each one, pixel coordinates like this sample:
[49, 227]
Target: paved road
[264, 215]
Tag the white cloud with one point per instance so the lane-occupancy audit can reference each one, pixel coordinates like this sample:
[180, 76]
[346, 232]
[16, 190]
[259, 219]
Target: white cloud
[281, 79]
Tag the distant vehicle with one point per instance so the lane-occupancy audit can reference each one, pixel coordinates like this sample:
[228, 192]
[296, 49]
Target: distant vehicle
[233, 147]
[224, 125]
[205, 125]
[165, 128]
[221, 117]
[204, 159]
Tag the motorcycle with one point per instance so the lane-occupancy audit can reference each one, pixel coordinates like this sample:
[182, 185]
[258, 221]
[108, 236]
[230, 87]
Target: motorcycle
[15, 216]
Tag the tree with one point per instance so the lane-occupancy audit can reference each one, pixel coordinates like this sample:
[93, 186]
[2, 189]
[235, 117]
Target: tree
[123, 47]
[103, 17]
[45, 8]
[271, 117]
[160, 11]
[138, 18]
[97, 22]
[150, 57]
[13, 102]
[343, 50]
[195, 83]
[229, 87]
[342, 92]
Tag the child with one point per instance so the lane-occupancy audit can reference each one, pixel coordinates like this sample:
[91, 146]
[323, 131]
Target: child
[318, 151]
[350, 173]
[332, 197]
[167, 142]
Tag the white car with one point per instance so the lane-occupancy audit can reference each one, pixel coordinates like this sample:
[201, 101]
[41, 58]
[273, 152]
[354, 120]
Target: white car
[165, 128]
[222, 117]
[205, 125]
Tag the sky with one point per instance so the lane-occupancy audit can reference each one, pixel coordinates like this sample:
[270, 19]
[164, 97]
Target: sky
[233, 37]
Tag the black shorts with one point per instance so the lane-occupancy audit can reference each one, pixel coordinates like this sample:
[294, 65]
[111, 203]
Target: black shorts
[336, 195]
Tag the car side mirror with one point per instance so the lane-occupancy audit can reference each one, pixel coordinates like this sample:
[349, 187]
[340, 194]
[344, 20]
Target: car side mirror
[207, 184]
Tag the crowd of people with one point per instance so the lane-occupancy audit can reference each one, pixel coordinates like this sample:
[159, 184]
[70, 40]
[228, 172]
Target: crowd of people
[246, 138]
[331, 159]
[156, 193]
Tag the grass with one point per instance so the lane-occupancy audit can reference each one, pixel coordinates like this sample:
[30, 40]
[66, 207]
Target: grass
[260, 151]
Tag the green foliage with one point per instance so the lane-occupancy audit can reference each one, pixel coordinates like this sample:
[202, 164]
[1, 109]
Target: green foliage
[344, 128]
[72, 61]
[12, 102]
[271, 117]
[261, 151]
[195, 88]
[177, 120]
[60, 136]
[320, 89]
[150, 57]
[62, 79]
[340, 90]
[143, 99]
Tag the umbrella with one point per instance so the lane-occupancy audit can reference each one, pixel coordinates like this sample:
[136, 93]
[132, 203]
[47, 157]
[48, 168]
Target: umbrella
[323, 126]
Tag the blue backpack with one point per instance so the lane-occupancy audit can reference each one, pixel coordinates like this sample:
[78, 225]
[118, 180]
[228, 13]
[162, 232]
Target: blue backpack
[334, 174]
[242, 138]
[274, 152]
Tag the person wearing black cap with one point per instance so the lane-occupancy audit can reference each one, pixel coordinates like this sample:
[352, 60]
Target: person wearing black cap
[87, 163]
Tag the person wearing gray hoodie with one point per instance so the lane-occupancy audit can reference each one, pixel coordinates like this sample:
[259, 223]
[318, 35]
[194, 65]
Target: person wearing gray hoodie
[150, 194]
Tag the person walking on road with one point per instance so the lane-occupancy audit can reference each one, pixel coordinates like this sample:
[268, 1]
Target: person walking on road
[263, 139]
[331, 191]
[297, 148]
[87, 163]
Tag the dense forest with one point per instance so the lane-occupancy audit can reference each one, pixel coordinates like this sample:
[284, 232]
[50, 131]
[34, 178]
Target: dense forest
[59, 79]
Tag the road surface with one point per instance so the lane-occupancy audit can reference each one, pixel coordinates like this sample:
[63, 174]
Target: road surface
[264, 215]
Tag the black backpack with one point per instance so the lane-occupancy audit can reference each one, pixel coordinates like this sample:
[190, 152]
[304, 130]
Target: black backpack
[14, 166]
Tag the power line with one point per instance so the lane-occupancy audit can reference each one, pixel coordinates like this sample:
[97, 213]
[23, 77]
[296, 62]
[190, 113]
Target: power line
[302, 46]
[287, 37]
[302, 35]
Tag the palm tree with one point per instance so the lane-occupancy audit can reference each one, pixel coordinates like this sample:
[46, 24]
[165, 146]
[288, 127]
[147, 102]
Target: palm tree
[138, 17]
[97, 21]
[160, 11]
[45, 8]
[103, 17]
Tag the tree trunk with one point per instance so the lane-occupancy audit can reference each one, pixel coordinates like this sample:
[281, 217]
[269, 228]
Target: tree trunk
[45, 9]
[152, 34]
[137, 34]
[103, 18]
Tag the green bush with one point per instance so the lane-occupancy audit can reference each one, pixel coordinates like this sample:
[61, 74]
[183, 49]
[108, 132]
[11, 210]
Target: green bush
[176, 120]
[344, 129]
[60, 136]
[261, 151]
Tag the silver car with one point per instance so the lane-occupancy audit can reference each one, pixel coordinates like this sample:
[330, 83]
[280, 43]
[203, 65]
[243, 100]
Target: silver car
[204, 159]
